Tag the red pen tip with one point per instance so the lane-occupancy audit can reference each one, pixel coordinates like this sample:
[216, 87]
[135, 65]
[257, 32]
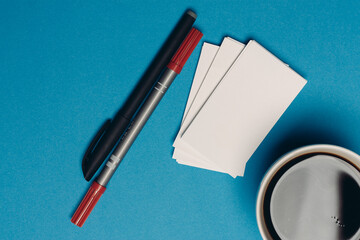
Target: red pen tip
[87, 204]
[186, 48]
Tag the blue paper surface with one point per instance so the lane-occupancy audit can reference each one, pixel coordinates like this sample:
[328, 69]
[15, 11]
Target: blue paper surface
[67, 66]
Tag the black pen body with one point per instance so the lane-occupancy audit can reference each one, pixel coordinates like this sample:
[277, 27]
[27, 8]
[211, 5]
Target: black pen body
[111, 135]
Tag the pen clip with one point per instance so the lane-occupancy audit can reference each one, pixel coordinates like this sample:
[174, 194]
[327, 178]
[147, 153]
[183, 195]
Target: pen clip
[93, 143]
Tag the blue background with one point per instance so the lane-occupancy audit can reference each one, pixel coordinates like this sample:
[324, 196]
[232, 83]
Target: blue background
[66, 66]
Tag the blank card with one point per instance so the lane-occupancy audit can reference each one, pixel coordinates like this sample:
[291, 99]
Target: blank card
[242, 109]
[207, 55]
[225, 57]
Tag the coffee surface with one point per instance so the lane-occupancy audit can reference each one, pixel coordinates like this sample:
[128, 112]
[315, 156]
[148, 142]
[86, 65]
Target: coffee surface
[317, 198]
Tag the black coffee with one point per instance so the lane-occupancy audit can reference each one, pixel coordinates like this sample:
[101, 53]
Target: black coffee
[314, 197]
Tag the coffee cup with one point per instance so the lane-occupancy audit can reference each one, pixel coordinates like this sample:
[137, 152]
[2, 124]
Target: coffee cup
[312, 192]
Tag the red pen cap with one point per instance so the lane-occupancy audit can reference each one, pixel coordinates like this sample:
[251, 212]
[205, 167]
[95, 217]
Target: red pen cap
[186, 48]
[87, 204]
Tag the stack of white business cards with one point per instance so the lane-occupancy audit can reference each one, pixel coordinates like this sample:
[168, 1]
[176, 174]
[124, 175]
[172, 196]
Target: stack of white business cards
[238, 94]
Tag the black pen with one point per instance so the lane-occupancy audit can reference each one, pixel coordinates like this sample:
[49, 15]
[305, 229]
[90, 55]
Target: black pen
[112, 130]
[98, 186]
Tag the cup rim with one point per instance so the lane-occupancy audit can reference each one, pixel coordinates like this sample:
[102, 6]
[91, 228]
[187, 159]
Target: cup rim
[316, 148]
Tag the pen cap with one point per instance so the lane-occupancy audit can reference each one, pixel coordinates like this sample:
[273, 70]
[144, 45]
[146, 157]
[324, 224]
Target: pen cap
[186, 48]
[87, 204]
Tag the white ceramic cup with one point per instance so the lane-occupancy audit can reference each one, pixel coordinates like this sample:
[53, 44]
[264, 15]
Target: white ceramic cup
[345, 154]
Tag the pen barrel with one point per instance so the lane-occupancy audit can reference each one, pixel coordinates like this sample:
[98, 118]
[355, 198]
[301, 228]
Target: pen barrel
[173, 69]
[136, 126]
[119, 124]
[159, 63]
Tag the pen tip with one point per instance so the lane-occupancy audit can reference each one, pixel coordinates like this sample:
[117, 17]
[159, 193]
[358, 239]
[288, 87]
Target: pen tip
[191, 13]
[87, 204]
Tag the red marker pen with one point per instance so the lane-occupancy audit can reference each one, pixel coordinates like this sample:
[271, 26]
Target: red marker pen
[173, 69]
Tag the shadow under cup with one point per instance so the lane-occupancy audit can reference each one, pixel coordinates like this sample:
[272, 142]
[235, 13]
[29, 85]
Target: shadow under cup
[311, 193]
